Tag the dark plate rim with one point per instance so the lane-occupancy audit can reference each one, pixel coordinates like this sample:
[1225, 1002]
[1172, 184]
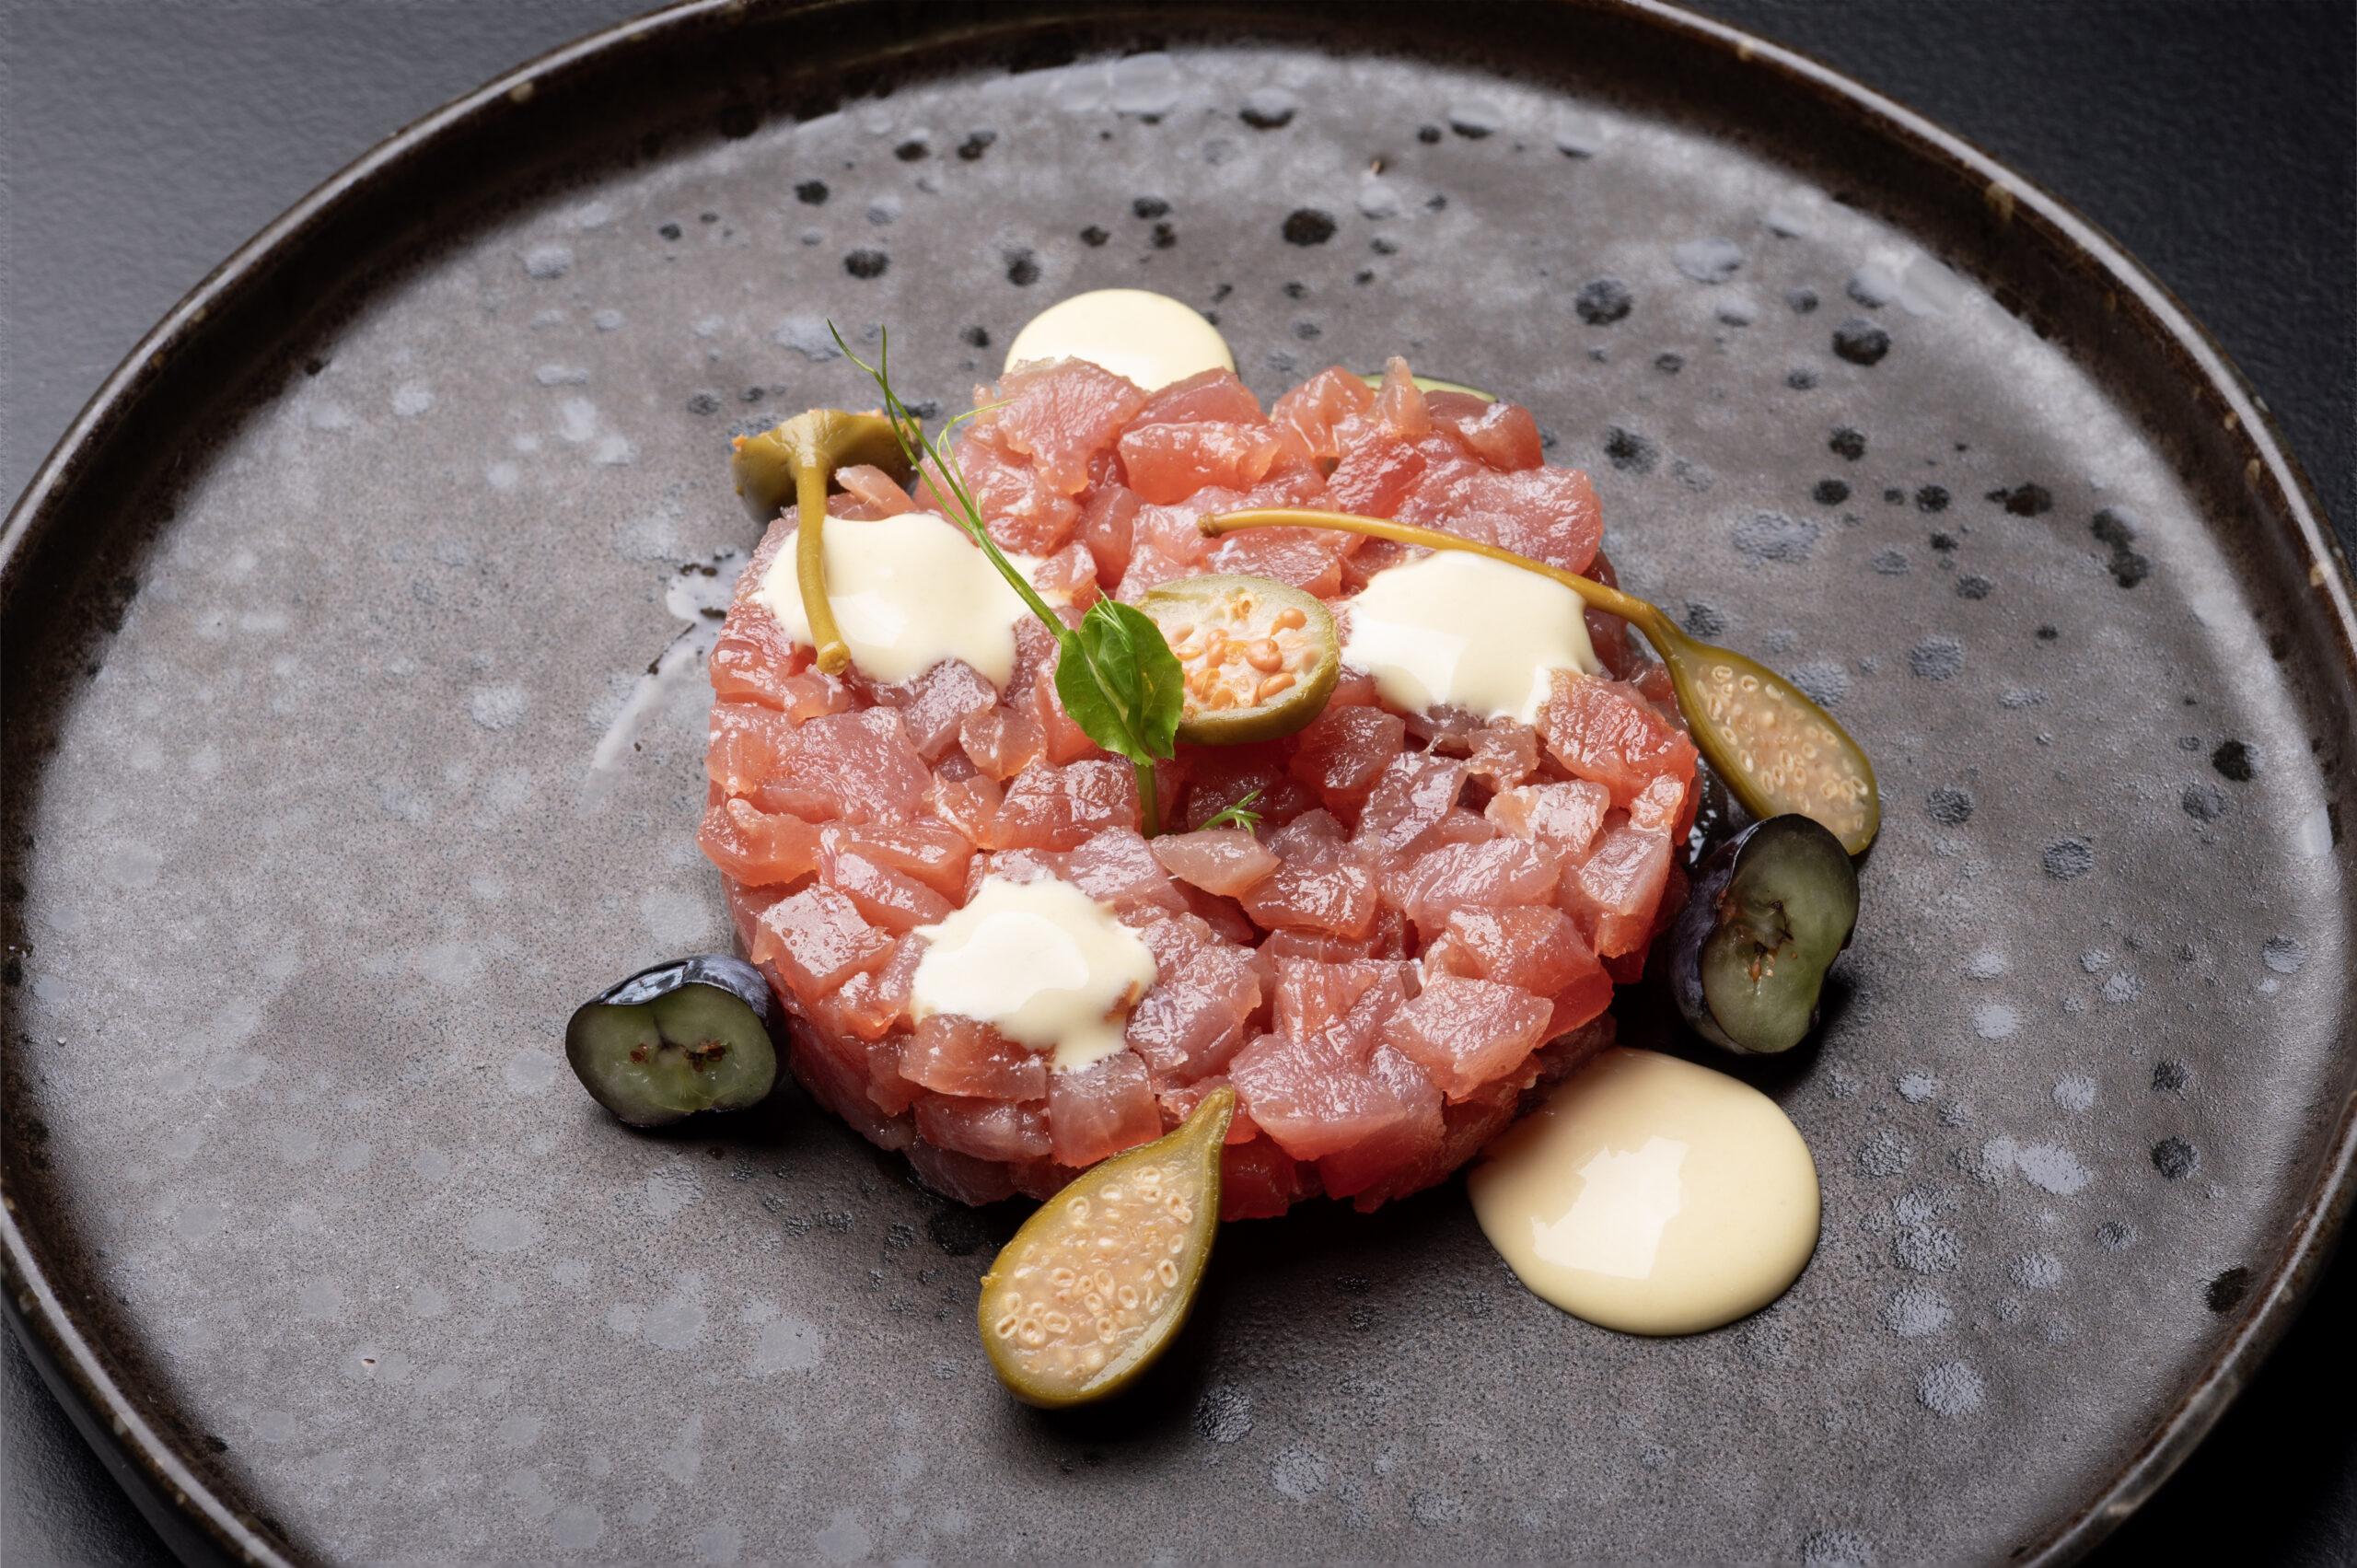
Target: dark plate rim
[202, 1525]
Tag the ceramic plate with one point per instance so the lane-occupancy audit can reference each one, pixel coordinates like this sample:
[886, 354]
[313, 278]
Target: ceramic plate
[356, 724]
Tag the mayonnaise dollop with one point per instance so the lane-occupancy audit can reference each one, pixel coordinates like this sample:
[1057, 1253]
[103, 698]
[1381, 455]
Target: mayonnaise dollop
[1151, 338]
[1651, 1195]
[907, 592]
[1042, 962]
[1463, 630]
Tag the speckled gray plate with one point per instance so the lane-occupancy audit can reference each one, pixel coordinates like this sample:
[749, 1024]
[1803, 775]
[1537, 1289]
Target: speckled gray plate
[355, 721]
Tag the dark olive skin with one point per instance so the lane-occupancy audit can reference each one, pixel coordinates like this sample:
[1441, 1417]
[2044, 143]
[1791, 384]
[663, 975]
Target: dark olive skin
[694, 1034]
[1771, 910]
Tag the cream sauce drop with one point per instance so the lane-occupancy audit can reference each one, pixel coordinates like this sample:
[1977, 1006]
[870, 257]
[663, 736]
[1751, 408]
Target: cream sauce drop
[1042, 962]
[1461, 630]
[907, 592]
[1652, 1196]
[1151, 338]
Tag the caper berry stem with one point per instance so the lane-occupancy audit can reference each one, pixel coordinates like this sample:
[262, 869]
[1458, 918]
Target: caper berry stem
[1778, 751]
[811, 568]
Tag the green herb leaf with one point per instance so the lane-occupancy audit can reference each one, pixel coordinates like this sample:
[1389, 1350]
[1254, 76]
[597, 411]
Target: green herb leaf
[1240, 814]
[1117, 677]
[1120, 682]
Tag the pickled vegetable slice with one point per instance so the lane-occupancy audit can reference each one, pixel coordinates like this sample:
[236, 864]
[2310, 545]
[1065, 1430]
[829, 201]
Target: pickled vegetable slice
[696, 1034]
[1770, 912]
[1261, 657]
[1098, 1282]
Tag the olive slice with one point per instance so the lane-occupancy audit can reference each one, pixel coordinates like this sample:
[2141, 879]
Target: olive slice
[1259, 657]
[1770, 911]
[1100, 1280]
[695, 1034]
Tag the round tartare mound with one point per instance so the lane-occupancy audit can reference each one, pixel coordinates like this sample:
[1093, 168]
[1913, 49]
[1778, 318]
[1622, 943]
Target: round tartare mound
[1427, 921]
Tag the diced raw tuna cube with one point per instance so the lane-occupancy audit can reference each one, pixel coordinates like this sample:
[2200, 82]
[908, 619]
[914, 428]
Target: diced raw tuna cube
[1195, 1015]
[1316, 1100]
[1260, 1180]
[885, 898]
[1485, 876]
[757, 848]
[1061, 808]
[1534, 947]
[1504, 753]
[1547, 514]
[953, 1055]
[1565, 816]
[876, 490]
[891, 1092]
[1661, 807]
[1374, 477]
[1230, 773]
[1603, 730]
[935, 703]
[1062, 740]
[1004, 740]
[1118, 870]
[1101, 1109]
[1312, 996]
[1219, 860]
[1058, 415]
[1068, 578]
[1317, 410]
[1617, 888]
[1182, 1102]
[835, 1072]
[746, 745]
[986, 1129]
[932, 852]
[1410, 1128]
[1166, 463]
[746, 907]
[1466, 1126]
[858, 766]
[961, 1178]
[1206, 395]
[753, 659]
[1464, 1033]
[1023, 510]
[970, 805]
[818, 940]
[1408, 802]
[1343, 751]
[1107, 524]
[1337, 899]
[1502, 435]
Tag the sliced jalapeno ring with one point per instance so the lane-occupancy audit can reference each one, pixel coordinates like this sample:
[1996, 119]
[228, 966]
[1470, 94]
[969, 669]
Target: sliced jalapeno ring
[1260, 656]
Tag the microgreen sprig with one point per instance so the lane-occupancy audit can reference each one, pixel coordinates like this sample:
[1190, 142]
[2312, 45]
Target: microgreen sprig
[1240, 814]
[1118, 679]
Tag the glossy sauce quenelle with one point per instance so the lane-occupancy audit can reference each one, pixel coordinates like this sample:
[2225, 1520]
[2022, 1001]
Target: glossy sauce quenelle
[1652, 1196]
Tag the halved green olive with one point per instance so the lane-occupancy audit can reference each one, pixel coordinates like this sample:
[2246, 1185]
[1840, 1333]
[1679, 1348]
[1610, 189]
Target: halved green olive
[1770, 912]
[1260, 656]
[696, 1034]
[1100, 1280]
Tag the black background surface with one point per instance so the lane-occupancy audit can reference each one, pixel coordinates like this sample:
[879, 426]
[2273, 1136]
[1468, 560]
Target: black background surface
[143, 140]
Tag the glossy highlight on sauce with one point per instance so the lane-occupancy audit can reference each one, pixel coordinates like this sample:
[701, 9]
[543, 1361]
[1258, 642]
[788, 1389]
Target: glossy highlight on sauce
[1151, 338]
[1467, 631]
[1652, 1196]
[907, 592]
[1042, 962]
